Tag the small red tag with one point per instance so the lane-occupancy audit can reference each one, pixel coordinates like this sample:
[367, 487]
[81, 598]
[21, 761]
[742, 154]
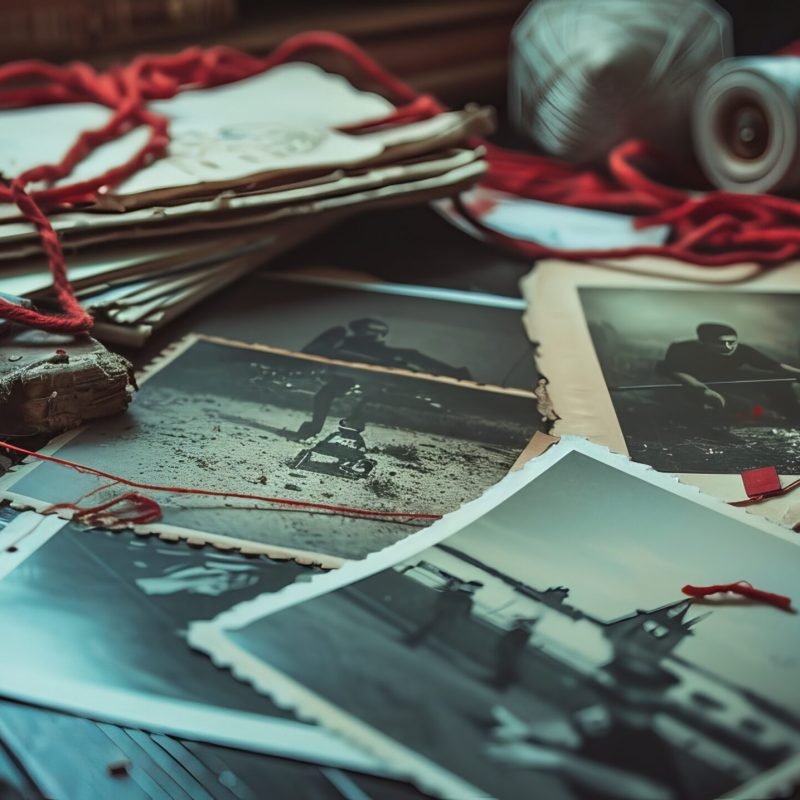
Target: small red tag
[763, 480]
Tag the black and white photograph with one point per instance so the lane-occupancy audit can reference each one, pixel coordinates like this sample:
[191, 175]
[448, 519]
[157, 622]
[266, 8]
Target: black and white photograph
[103, 616]
[546, 648]
[465, 335]
[218, 415]
[111, 609]
[701, 381]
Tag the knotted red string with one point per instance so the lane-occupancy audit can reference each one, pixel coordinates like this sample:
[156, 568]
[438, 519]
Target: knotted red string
[136, 510]
[712, 229]
[282, 501]
[742, 588]
[127, 90]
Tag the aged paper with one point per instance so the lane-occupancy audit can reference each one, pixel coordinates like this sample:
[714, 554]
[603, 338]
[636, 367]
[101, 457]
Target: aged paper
[281, 119]
[78, 229]
[283, 122]
[250, 419]
[601, 335]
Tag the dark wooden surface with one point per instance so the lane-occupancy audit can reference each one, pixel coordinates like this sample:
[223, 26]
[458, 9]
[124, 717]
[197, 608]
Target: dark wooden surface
[50, 755]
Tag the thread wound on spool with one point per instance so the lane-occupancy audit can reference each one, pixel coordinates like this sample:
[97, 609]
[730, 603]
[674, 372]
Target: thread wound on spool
[746, 124]
[586, 76]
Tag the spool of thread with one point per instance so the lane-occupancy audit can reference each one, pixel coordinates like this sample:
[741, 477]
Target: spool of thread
[588, 74]
[746, 124]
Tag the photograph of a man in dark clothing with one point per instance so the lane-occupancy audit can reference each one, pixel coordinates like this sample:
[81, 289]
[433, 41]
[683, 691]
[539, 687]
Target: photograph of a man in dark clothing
[364, 340]
[705, 364]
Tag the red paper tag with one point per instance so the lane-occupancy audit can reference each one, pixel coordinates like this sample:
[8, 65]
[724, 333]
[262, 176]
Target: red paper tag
[763, 480]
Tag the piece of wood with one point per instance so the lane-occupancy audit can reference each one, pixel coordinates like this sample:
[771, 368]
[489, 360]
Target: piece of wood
[50, 383]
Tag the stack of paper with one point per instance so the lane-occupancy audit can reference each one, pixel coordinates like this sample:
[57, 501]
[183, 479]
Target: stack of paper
[253, 168]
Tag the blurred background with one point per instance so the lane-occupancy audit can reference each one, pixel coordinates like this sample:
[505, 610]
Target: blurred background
[454, 49]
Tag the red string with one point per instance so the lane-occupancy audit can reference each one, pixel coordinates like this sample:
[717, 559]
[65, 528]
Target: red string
[742, 588]
[74, 318]
[283, 501]
[714, 229]
[127, 90]
[140, 510]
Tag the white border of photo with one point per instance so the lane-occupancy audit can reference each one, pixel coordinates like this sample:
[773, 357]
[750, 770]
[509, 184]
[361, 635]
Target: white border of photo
[199, 722]
[212, 637]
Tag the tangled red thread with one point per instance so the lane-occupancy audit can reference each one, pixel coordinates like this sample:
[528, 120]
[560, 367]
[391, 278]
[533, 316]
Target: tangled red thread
[135, 509]
[710, 229]
[148, 506]
[743, 588]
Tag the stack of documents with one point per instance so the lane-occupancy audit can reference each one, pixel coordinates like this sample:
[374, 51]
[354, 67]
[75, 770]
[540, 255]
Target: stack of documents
[253, 168]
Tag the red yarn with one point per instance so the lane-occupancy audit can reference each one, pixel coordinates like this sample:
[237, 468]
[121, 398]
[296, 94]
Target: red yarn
[127, 90]
[140, 511]
[283, 501]
[713, 229]
[74, 319]
[742, 588]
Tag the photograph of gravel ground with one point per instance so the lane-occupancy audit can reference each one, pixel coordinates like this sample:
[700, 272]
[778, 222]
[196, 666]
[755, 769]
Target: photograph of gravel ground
[226, 416]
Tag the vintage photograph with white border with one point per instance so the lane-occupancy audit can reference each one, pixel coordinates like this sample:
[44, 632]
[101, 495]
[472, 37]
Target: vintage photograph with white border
[405, 445]
[98, 623]
[584, 399]
[546, 624]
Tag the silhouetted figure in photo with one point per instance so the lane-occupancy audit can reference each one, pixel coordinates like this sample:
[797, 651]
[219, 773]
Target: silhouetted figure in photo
[323, 401]
[510, 648]
[454, 602]
[718, 355]
[363, 340]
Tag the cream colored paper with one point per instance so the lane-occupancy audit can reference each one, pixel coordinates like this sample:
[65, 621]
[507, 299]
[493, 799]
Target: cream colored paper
[79, 227]
[281, 119]
[577, 389]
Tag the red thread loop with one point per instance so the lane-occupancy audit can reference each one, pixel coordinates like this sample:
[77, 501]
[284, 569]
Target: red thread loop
[137, 509]
[74, 318]
[743, 588]
[711, 230]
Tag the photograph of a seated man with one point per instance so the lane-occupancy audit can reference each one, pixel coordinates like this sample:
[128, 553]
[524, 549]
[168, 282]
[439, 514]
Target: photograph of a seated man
[716, 362]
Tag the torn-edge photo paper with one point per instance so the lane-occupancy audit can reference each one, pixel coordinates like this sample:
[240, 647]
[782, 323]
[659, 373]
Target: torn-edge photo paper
[537, 643]
[702, 381]
[444, 332]
[284, 124]
[386, 449]
[95, 624]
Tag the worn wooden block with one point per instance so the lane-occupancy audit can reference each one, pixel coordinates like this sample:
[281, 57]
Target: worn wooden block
[50, 383]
